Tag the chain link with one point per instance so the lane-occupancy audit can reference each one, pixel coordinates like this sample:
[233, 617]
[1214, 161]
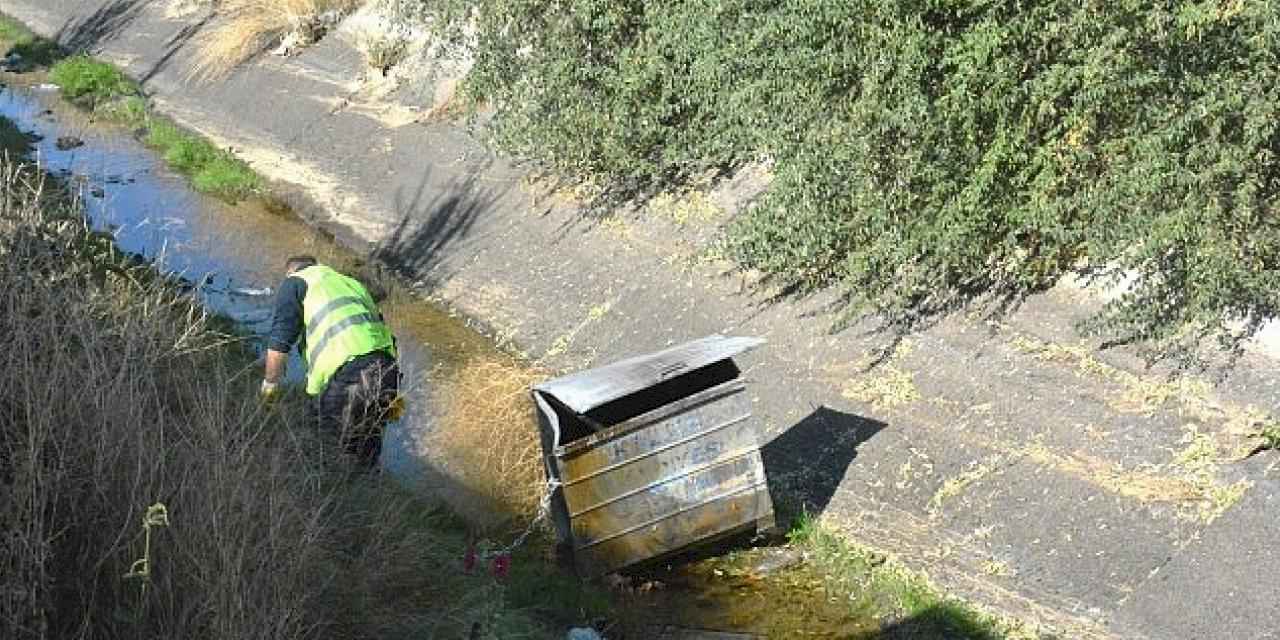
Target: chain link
[544, 511]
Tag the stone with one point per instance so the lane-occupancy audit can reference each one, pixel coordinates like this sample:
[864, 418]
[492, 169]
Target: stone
[66, 143]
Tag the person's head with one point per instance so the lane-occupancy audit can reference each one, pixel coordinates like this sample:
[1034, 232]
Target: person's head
[297, 263]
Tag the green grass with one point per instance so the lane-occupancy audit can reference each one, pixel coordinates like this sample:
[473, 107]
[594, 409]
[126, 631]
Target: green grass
[212, 170]
[17, 38]
[111, 94]
[889, 591]
[129, 110]
[83, 78]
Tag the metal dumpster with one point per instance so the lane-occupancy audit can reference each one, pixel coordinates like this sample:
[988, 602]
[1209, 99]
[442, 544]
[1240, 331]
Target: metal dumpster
[653, 454]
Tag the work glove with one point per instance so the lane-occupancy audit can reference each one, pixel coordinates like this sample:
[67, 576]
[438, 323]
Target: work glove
[270, 392]
[396, 410]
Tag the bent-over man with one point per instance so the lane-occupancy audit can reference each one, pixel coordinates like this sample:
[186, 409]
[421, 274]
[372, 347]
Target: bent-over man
[352, 370]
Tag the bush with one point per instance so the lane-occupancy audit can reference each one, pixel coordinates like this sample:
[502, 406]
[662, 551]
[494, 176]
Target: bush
[83, 77]
[488, 437]
[928, 154]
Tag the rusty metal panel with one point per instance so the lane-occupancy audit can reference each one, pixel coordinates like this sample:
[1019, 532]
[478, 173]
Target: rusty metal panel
[587, 390]
[662, 481]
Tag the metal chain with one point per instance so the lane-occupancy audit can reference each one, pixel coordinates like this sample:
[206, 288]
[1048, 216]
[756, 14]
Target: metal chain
[544, 511]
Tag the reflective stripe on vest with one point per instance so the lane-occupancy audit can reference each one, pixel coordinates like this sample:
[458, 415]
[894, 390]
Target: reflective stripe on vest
[342, 322]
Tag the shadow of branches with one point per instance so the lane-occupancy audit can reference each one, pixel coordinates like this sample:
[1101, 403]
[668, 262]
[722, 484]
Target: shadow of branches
[432, 219]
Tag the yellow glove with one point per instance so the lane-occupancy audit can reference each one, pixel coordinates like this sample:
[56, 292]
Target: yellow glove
[270, 391]
[396, 410]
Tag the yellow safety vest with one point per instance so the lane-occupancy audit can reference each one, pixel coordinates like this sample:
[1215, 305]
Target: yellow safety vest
[342, 322]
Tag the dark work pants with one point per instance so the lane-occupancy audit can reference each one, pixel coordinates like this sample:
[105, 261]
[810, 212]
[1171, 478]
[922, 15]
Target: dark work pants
[352, 410]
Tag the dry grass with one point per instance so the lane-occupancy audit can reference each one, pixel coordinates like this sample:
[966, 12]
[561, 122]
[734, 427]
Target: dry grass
[488, 436]
[117, 393]
[246, 28]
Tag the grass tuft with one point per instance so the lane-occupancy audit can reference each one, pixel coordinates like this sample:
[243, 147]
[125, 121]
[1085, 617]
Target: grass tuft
[882, 585]
[212, 170]
[488, 434]
[250, 27]
[82, 77]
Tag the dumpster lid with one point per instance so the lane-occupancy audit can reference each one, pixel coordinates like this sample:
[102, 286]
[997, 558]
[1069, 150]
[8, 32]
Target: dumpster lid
[586, 390]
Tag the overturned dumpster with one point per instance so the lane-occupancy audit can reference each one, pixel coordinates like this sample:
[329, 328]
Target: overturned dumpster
[653, 454]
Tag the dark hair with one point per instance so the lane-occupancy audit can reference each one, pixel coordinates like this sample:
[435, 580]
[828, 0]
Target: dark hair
[299, 262]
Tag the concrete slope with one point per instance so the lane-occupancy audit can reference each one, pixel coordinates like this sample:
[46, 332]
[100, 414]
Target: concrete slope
[1007, 461]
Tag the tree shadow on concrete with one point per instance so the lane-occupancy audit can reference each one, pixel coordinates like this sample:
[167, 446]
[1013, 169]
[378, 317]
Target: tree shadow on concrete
[87, 33]
[173, 46]
[432, 220]
[807, 462]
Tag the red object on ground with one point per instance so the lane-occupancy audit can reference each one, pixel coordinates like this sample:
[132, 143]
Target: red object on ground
[501, 565]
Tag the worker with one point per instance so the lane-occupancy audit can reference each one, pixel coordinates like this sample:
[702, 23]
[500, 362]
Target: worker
[353, 375]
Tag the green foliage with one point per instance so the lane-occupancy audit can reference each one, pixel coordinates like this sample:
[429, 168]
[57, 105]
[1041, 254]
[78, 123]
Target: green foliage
[883, 587]
[129, 110]
[928, 153]
[33, 50]
[81, 76]
[212, 170]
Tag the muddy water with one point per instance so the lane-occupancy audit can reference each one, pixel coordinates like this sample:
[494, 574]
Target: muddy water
[235, 253]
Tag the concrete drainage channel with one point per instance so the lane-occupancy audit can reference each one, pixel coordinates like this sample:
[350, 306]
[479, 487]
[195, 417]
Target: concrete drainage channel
[232, 254]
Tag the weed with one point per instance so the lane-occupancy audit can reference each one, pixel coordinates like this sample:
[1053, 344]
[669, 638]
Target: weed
[882, 585]
[227, 177]
[692, 207]
[1270, 436]
[82, 77]
[129, 110]
[997, 568]
[249, 27]
[212, 170]
[383, 51]
[489, 438]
